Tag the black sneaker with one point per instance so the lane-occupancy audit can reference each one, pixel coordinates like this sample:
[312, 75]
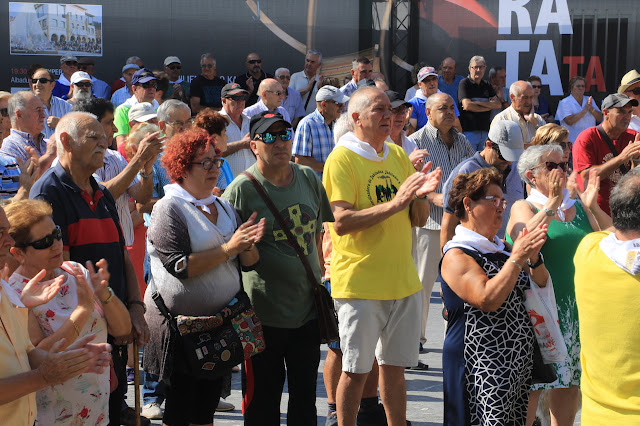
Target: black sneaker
[373, 417]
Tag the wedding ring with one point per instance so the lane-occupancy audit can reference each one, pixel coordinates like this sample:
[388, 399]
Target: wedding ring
[597, 188]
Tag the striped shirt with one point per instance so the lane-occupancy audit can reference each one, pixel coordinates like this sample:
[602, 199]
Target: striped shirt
[114, 164]
[16, 143]
[442, 156]
[528, 129]
[314, 138]
[120, 96]
[9, 177]
[58, 108]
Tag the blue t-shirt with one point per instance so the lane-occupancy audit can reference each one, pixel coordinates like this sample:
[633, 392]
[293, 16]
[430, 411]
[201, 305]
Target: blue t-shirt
[450, 89]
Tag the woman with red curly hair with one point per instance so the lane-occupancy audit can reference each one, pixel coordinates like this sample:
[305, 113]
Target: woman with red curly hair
[195, 241]
[216, 125]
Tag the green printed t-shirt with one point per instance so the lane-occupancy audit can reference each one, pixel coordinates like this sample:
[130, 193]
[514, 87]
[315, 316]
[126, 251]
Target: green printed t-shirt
[278, 287]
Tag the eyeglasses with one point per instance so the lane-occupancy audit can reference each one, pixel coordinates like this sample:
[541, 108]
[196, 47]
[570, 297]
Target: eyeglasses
[550, 165]
[41, 80]
[496, 201]
[478, 67]
[71, 63]
[254, 61]
[270, 137]
[565, 145]
[340, 105]
[275, 92]
[208, 164]
[83, 85]
[174, 67]
[148, 85]
[284, 77]
[635, 91]
[536, 86]
[237, 98]
[4, 112]
[496, 148]
[46, 241]
[207, 65]
[179, 123]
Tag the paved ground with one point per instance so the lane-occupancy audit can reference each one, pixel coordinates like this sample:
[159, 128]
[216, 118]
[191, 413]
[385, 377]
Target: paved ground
[424, 389]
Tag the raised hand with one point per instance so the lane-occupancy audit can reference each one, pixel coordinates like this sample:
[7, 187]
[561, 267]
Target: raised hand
[589, 196]
[408, 189]
[247, 234]
[417, 158]
[100, 279]
[432, 181]
[36, 293]
[528, 243]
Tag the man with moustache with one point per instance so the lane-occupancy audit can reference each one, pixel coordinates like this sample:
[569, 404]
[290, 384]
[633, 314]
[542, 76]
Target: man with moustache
[178, 86]
[252, 78]
[80, 87]
[521, 110]
[428, 84]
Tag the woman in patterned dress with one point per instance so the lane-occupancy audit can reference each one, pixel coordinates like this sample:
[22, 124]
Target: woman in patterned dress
[84, 305]
[488, 350]
[544, 168]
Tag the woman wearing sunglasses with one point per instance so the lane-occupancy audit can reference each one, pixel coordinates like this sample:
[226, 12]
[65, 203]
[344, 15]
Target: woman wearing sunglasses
[568, 220]
[85, 304]
[488, 349]
[195, 241]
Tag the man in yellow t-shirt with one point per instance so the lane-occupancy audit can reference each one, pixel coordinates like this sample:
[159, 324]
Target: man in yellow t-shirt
[607, 285]
[376, 199]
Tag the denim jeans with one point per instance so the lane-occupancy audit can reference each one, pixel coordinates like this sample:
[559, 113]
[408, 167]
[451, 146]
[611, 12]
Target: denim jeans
[477, 139]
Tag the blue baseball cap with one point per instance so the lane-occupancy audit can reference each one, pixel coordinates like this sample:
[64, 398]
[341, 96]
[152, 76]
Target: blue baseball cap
[142, 76]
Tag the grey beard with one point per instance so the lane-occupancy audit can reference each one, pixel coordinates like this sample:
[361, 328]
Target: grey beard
[81, 95]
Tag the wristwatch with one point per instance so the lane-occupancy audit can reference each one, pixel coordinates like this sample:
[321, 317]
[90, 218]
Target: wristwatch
[111, 294]
[538, 263]
[549, 212]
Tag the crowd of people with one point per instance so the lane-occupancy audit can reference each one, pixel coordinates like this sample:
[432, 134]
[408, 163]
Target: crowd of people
[145, 210]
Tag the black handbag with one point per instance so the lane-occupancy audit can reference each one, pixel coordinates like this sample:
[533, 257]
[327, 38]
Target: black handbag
[327, 317]
[541, 372]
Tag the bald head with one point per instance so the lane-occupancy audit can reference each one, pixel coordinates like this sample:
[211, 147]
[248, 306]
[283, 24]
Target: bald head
[81, 143]
[370, 113]
[521, 94]
[271, 93]
[69, 128]
[448, 70]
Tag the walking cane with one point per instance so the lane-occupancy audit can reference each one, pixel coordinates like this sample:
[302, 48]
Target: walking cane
[136, 378]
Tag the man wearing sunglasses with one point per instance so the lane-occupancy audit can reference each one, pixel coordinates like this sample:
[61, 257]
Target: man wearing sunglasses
[279, 289]
[271, 96]
[81, 87]
[630, 86]
[609, 148]
[253, 77]
[99, 88]
[144, 90]
[502, 149]
[178, 86]
[238, 153]
[87, 215]
[292, 101]
[42, 84]
[206, 88]
[68, 65]
[314, 138]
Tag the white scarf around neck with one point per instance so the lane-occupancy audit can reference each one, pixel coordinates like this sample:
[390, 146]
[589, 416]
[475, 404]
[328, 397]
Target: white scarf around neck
[625, 254]
[175, 190]
[466, 238]
[363, 149]
[539, 198]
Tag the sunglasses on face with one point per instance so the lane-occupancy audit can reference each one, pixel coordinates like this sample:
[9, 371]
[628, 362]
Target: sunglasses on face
[238, 98]
[254, 61]
[536, 86]
[284, 77]
[149, 85]
[4, 112]
[635, 91]
[208, 164]
[334, 102]
[41, 80]
[83, 85]
[207, 65]
[71, 63]
[270, 137]
[175, 67]
[496, 201]
[46, 241]
[550, 165]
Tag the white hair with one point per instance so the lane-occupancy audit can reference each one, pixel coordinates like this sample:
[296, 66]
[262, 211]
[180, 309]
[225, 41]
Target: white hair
[279, 70]
[360, 101]
[532, 156]
[516, 89]
[477, 58]
[18, 102]
[70, 124]
[342, 126]
[207, 55]
[170, 107]
[314, 52]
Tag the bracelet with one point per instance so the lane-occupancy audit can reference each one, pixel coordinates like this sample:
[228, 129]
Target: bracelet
[415, 196]
[226, 250]
[516, 263]
[75, 326]
[138, 302]
[145, 176]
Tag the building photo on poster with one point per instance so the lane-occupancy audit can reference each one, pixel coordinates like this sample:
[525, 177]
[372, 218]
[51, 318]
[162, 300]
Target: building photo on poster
[55, 29]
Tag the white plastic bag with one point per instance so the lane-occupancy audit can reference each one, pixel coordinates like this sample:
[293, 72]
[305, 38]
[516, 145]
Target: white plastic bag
[540, 304]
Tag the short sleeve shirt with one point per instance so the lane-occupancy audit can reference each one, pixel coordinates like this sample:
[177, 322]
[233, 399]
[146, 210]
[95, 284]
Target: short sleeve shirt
[293, 104]
[450, 89]
[9, 176]
[419, 111]
[59, 108]
[208, 91]
[314, 138]
[483, 91]
[300, 81]
[278, 287]
[590, 149]
[374, 263]
[569, 106]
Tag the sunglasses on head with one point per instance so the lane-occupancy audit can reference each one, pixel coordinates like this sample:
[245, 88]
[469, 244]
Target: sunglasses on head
[550, 165]
[149, 85]
[270, 137]
[635, 91]
[208, 164]
[83, 85]
[4, 112]
[174, 67]
[42, 80]
[46, 241]
[254, 61]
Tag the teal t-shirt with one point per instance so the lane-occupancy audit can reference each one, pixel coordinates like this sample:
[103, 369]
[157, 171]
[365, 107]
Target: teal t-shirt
[278, 287]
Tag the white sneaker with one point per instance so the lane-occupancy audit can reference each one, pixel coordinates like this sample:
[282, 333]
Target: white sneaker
[225, 406]
[153, 411]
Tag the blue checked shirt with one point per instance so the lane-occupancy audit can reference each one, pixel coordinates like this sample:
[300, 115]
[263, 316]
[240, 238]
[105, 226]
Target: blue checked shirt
[58, 108]
[120, 96]
[314, 138]
[15, 145]
[9, 177]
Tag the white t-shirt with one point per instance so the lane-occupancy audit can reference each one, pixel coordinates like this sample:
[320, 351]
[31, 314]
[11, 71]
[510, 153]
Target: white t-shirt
[569, 106]
[240, 160]
[634, 124]
[300, 81]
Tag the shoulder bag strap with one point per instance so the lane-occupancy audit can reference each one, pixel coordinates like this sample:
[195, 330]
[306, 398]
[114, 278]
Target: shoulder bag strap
[613, 149]
[309, 95]
[292, 241]
[159, 301]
